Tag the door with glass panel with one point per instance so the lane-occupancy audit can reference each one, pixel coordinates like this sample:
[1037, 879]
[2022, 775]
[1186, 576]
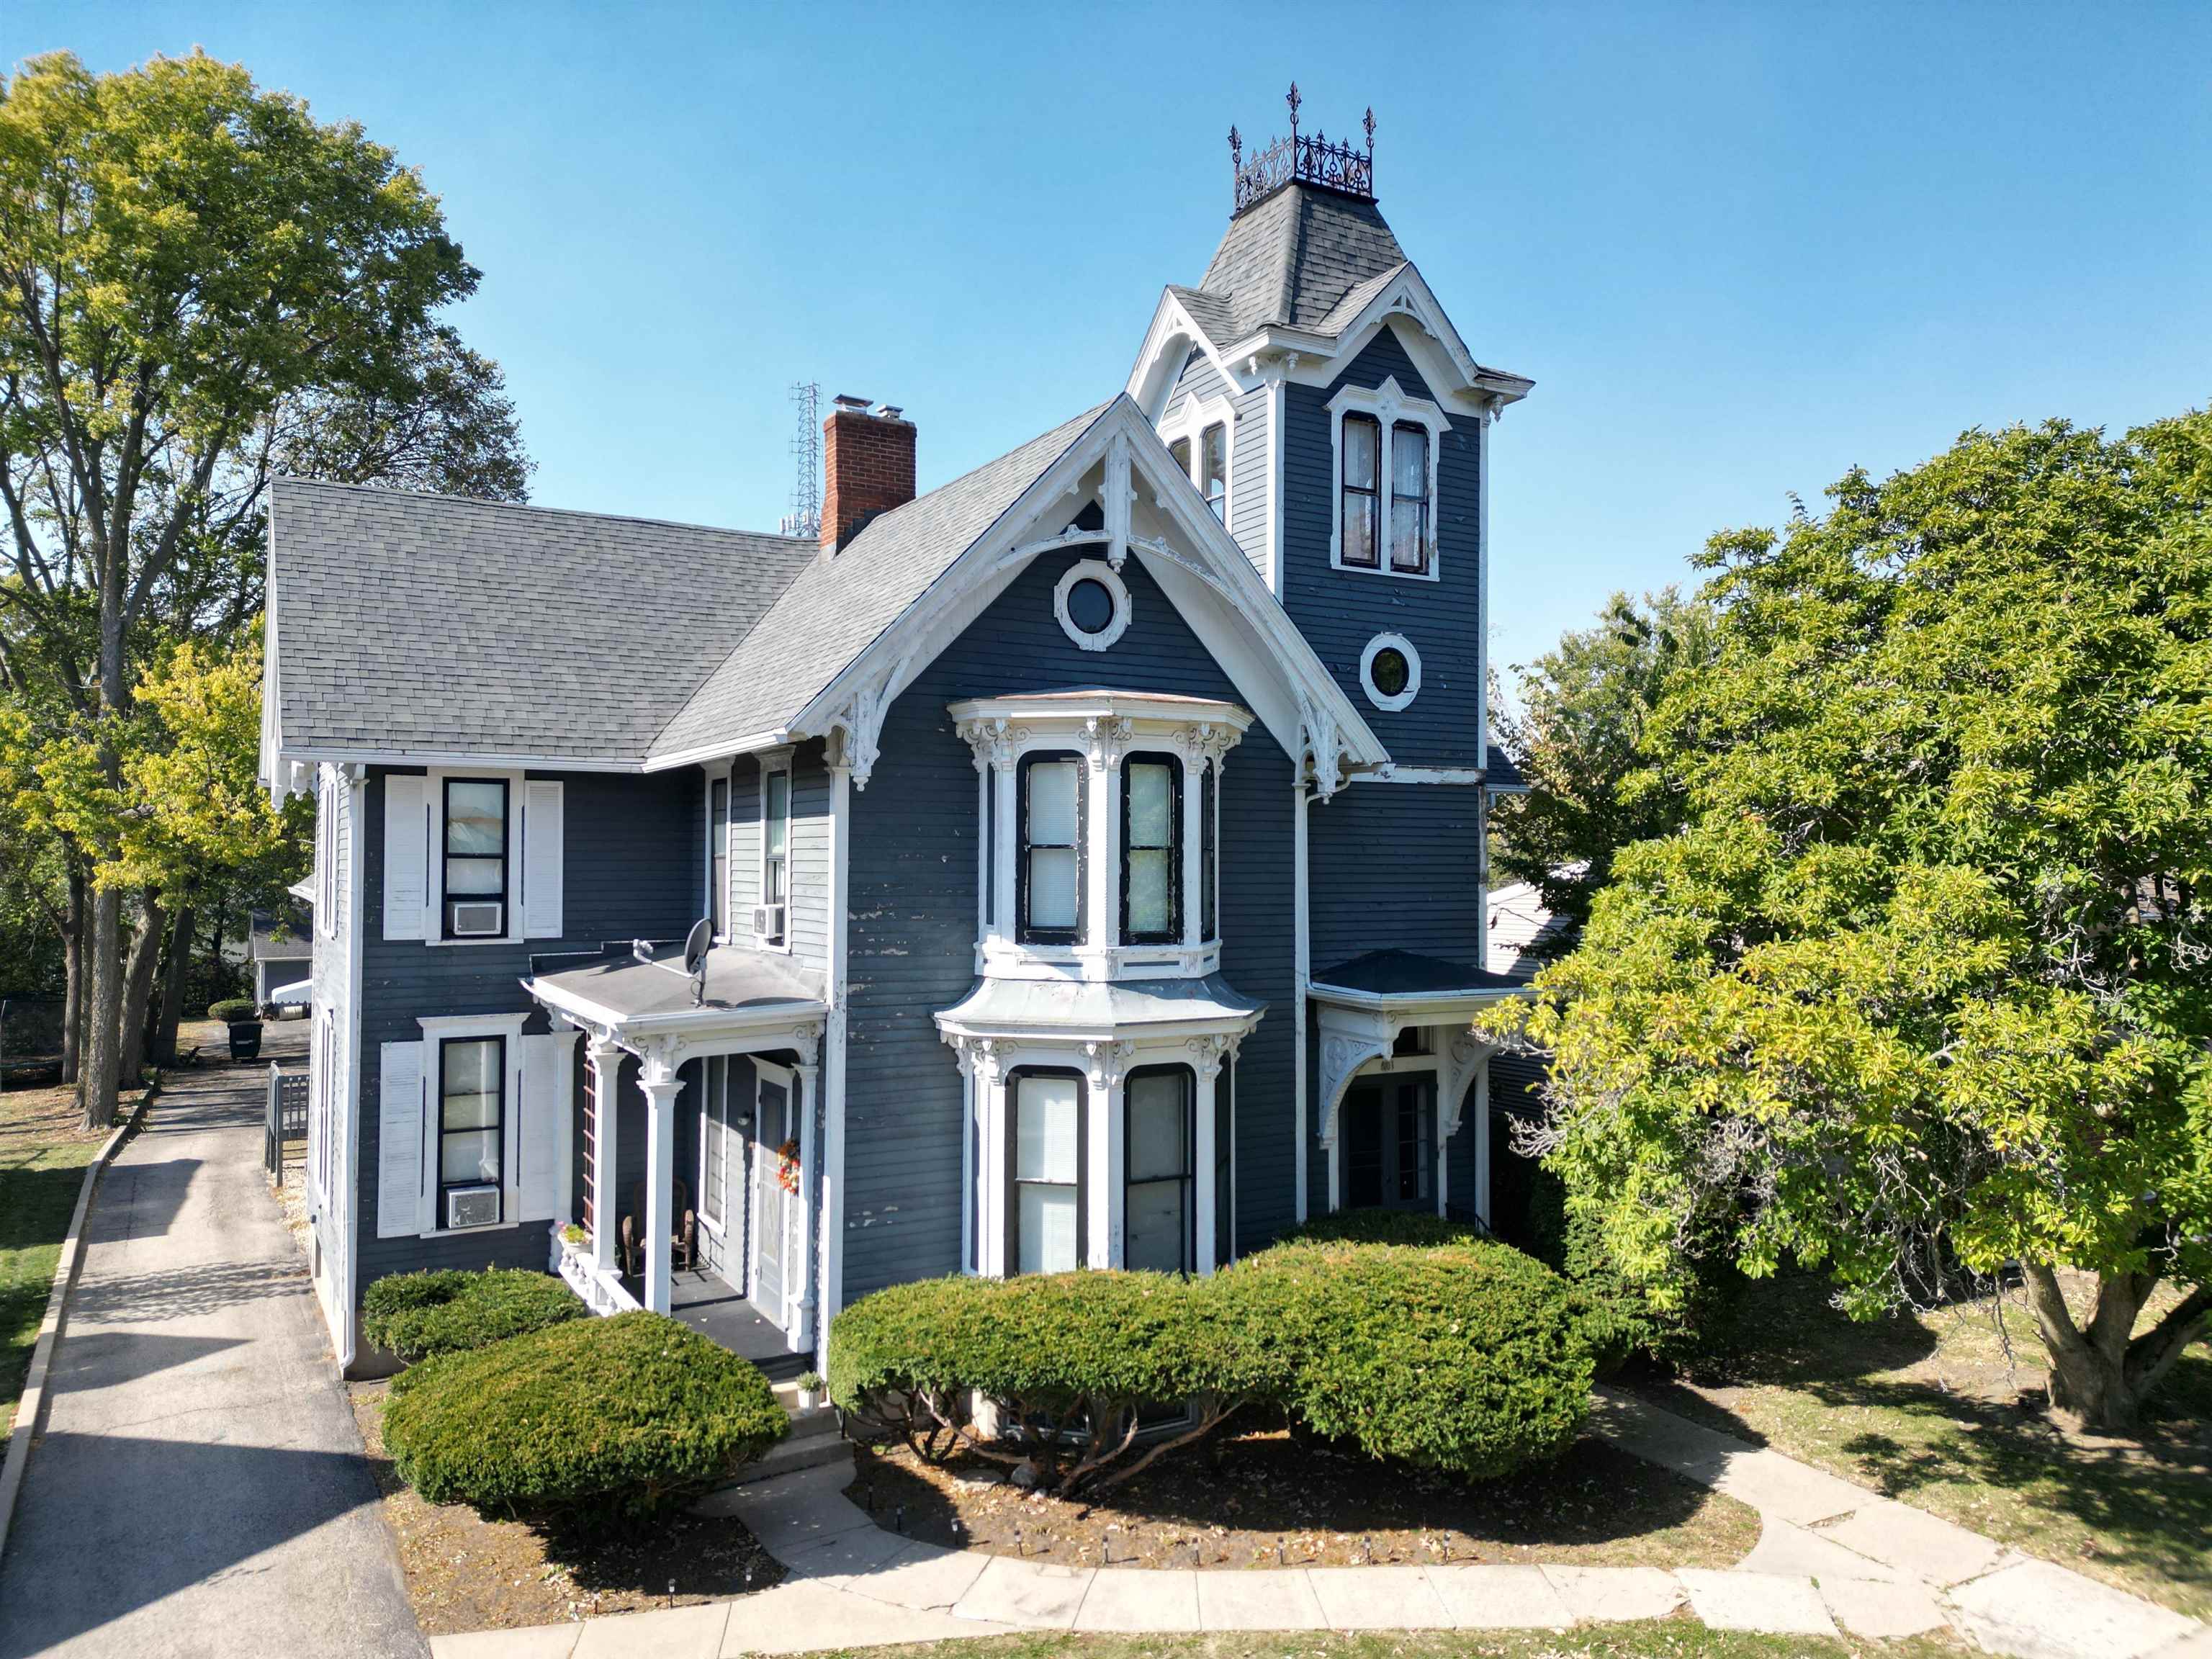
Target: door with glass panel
[1044, 1221]
[1389, 1143]
[715, 1209]
[774, 1131]
[1158, 1214]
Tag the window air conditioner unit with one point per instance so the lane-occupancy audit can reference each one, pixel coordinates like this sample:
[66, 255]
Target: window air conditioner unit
[472, 1206]
[767, 921]
[480, 919]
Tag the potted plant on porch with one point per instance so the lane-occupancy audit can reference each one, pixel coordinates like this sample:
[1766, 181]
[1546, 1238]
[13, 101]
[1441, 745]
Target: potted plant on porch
[240, 1014]
[813, 1391]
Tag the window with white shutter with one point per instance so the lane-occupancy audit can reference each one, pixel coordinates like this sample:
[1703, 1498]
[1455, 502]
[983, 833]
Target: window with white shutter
[399, 1194]
[543, 848]
[406, 854]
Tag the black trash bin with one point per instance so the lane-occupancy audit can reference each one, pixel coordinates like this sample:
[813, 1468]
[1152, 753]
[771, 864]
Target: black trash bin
[245, 1040]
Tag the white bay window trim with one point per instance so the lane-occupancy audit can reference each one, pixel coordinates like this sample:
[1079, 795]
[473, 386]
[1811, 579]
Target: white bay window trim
[1389, 407]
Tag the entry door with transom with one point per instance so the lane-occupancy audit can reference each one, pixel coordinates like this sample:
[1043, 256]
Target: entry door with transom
[1390, 1143]
[776, 1150]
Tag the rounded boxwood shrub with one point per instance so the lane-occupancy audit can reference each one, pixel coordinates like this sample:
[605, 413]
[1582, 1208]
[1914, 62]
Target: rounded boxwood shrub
[415, 1316]
[1464, 1357]
[592, 1421]
[232, 1010]
[1382, 1227]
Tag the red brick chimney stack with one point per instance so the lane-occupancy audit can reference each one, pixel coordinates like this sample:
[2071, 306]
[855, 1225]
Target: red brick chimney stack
[867, 468]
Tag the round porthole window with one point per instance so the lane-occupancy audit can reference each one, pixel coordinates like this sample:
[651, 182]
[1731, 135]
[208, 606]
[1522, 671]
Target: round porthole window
[1390, 671]
[1091, 604]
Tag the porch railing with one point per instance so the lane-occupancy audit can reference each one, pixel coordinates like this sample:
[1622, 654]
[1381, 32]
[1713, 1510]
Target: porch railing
[285, 1119]
[602, 1291]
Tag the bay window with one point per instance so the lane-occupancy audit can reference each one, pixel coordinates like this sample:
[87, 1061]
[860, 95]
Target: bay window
[1159, 1211]
[1045, 1220]
[1050, 873]
[1152, 849]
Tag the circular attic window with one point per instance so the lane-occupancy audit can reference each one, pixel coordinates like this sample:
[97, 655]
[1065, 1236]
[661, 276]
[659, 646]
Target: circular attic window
[1390, 672]
[1091, 604]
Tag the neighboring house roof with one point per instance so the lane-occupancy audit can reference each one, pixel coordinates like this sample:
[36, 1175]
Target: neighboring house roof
[1500, 770]
[1292, 259]
[281, 938]
[1519, 927]
[410, 625]
[835, 608]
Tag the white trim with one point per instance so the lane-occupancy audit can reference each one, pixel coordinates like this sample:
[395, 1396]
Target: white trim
[1189, 423]
[1092, 570]
[462, 760]
[1375, 647]
[773, 761]
[441, 1028]
[1389, 406]
[725, 773]
[1302, 969]
[1482, 593]
[347, 1205]
[1277, 403]
[1170, 338]
[830, 1297]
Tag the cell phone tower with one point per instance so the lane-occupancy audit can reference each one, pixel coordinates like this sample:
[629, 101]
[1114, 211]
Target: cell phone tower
[804, 518]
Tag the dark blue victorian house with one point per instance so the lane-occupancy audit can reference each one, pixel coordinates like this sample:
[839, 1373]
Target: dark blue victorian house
[1088, 851]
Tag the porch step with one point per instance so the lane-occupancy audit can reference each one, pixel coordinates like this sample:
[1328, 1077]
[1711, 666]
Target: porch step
[806, 1425]
[812, 1451]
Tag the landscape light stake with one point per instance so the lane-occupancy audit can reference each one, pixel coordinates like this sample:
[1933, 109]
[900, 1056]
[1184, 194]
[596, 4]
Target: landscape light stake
[898, 1519]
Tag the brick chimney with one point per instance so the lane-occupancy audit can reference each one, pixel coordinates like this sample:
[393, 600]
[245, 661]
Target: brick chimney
[867, 468]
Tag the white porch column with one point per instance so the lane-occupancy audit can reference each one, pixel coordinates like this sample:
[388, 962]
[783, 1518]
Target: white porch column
[661, 1085]
[606, 1218]
[991, 1159]
[1004, 773]
[1207, 1067]
[807, 1079]
[1193, 899]
[1302, 972]
[1102, 1153]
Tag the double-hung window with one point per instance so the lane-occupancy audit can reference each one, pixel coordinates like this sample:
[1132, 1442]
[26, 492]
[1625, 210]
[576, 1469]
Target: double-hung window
[475, 874]
[471, 1114]
[1213, 469]
[1409, 497]
[1049, 874]
[1208, 879]
[774, 914]
[1045, 1216]
[1151, 850]
[1360, 498]
[1160, 1215]
[718, 854]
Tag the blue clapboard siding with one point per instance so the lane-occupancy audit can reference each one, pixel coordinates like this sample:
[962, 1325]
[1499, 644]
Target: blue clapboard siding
[912, 923]
[631, 870]
[1340, 610]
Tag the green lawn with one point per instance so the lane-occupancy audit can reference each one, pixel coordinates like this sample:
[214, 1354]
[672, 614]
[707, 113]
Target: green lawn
[1944, 1412]
[43, 1153]
[1672, 1638]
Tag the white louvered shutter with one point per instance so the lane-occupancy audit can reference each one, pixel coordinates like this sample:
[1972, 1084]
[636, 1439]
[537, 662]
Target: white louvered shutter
[542, 848]
[400, 1141]
[537, 1148]
[406, 855]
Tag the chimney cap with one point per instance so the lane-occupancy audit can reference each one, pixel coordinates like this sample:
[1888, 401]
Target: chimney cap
[891, 411]
[846, 401]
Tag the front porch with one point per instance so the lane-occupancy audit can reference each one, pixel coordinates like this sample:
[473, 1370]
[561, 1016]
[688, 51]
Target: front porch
[691, 1171]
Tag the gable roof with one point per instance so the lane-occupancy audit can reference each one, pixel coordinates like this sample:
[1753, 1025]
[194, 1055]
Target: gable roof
[1292, 257]
[409, 626]
[835, 608]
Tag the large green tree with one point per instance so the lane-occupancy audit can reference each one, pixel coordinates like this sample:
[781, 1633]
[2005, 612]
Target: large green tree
[198, 284]
[1924, 983]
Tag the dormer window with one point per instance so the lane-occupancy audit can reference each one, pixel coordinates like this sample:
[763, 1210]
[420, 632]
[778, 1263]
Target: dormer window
[1386, 481]
[1196, 432]
[1213, 469]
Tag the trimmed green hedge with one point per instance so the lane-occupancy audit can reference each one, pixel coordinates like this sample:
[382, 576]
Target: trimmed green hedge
[1465, 1357]
[417, 1316]
[1380, 1227]
[232, 1010]
[595, 1420]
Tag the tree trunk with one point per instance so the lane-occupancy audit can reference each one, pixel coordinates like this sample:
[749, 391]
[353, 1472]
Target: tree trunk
[2101, 1372]
[103, 1024]
[173, 986]
[138, 990]
[73, 971]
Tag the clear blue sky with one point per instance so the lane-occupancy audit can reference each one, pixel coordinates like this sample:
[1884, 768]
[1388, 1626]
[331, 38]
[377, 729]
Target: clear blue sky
[1739, 248]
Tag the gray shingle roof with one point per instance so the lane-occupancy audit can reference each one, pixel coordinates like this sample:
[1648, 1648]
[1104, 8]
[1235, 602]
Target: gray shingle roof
[835, 608]
[1293, 258]
[426, 623]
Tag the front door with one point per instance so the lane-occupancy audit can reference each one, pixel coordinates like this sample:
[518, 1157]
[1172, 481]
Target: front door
[774, 1131]
[1389, 1143]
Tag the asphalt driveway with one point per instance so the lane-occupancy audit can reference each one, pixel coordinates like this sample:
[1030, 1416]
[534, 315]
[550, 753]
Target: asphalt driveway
[200, 1487]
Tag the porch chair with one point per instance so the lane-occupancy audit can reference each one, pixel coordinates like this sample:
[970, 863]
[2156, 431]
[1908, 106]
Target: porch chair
[632, 1234]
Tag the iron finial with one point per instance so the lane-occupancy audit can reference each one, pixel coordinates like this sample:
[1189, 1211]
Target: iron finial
[1293, 101]
[1370, 124]
[1235, 148]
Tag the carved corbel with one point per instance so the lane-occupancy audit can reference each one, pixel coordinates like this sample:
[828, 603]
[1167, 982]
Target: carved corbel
[1463, 1056]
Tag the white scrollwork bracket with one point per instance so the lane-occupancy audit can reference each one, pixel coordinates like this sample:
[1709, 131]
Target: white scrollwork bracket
[1463, 1056]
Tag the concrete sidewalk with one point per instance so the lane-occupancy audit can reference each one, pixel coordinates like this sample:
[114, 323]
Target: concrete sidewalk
[199, 1487]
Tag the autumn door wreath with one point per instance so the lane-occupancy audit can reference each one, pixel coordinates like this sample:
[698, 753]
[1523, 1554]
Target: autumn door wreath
[786, 1169]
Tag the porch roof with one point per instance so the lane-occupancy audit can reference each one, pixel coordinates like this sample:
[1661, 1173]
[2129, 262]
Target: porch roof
[611, 988]
[1096, 1008]
[1395, 980]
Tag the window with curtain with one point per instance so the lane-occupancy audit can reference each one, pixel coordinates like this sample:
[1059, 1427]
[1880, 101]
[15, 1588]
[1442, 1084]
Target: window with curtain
[776, 854]
[1047, 1160]
[1151, 850]
[475, 857]
[1213, 469]
[1409, 497]
[1050, 866]
[1360, 492]
[1159, 1213]
[718, 854]
[472, 1118]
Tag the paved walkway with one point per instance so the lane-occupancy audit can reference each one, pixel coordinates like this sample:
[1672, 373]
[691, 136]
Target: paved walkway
[1832, 1559]
[199, 1488]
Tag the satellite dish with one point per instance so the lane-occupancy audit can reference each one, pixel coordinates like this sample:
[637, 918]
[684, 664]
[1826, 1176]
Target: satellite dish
[696, 943]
